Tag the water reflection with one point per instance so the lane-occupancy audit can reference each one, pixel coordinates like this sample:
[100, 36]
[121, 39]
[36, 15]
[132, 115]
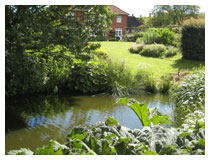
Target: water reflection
[32, 121]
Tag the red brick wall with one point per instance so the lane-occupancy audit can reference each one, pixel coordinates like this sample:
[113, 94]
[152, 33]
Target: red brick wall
[122, 25]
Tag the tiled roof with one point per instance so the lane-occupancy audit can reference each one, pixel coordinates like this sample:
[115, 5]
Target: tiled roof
[117, 10]
[133, 21]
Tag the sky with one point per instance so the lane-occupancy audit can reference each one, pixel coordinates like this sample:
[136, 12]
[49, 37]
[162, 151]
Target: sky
[144, 10]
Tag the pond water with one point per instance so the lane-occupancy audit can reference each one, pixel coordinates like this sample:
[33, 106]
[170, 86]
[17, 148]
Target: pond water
[32, 121]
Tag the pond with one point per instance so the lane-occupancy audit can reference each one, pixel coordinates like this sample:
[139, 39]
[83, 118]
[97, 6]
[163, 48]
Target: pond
[32, 121]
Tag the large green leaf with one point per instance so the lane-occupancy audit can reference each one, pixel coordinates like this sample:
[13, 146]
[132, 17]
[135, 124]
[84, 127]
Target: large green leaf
[142, 112]
[160, 119]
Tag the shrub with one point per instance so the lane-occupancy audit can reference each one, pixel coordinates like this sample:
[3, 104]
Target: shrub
[165, 36]
[171, 51]
[87, 77]
[150, 36]
[101, 53]
[188, 96]
[117, 38]
[136, 48]
[139, 41]
[112, 39]
[100, 38]
[92, 47]
[132, 37]
[154, 50]
[191, 93]
[193, 39]
[159, 35]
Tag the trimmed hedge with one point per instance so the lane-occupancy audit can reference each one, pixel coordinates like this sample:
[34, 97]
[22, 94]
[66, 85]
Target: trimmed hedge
[193, 39]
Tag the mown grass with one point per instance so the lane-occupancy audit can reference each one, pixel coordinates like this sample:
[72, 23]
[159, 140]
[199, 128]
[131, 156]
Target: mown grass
[118, 51]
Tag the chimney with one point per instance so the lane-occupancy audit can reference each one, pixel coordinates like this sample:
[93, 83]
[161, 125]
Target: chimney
[132, 15]
[150, 14]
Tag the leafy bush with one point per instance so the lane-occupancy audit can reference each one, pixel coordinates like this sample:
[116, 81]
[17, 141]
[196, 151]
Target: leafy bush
[136, 48]
[92, 47]
[100, 38]
[154, 50]
[171, 51]
[165, 36]
[112, 39]
[132, 37]
[39, 72]
[190, 94]
[193, 39]
[87, 77]
[101, 53]
[117, 38]
[159, 35]
[150, 36]
[139, 41]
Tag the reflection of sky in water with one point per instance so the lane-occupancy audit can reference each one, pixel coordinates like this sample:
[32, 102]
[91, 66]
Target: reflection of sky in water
[93, 112]
[86, 111]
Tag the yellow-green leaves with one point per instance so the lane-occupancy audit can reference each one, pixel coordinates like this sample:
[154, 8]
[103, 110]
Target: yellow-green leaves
[145, 115]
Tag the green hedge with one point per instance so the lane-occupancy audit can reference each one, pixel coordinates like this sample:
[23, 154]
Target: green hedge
[193, 39]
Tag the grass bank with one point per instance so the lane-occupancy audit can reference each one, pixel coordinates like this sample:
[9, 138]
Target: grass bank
[158, 67]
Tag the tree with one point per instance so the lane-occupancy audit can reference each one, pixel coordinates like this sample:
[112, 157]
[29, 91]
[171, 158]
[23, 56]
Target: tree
[41, 27]
[175, 14]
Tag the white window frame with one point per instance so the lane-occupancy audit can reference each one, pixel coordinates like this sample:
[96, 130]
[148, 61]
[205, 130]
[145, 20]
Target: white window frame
[119, 19]
[118, 32]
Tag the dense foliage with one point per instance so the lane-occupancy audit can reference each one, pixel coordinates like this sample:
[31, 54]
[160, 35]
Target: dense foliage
[136, 48]
[154, 50]
[42, 29]
[193, 39]
[189, 95]
[171, 51]
[159, 35]
[164, 15]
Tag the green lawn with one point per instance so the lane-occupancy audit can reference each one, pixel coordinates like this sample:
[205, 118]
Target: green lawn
[118, 51]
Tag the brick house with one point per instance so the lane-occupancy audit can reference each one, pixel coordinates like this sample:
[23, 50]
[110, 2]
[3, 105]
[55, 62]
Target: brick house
[119, 23]
[122, 23]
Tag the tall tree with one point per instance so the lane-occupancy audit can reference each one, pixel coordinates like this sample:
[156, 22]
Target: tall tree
[174, 14]
[39, 27]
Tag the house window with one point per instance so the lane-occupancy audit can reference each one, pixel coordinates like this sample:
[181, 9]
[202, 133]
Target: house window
[119, 19]
[118, 32]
